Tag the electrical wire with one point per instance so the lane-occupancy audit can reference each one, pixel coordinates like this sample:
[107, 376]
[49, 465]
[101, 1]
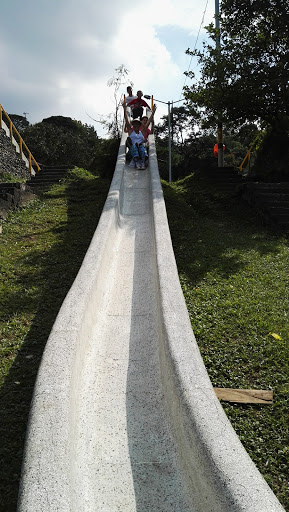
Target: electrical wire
[201, 24]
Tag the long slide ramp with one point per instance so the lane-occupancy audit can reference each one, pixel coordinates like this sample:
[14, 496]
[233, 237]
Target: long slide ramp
[124, 417]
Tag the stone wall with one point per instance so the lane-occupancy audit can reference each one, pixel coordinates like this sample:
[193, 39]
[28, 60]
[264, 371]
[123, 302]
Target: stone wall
[10, 161]
[13, 195]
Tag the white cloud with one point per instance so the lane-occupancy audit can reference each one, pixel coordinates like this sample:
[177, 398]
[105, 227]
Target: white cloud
[63, 52]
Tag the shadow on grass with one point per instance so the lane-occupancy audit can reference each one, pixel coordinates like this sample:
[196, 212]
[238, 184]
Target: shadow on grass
[56, 270]
[210, 230]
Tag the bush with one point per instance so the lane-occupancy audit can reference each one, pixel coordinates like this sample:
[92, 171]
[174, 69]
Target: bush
[272, 160]
[105, 157]
[60, 140]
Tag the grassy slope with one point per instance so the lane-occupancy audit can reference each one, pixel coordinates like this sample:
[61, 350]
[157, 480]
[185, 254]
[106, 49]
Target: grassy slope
[234, 275]
[42, 247]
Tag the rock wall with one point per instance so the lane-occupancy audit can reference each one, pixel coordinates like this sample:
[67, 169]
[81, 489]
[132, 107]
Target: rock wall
[13, 195]
[10, 161]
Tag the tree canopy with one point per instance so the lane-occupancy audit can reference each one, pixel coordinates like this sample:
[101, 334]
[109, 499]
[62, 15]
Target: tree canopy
[247, 78]
[20, 122]
[193, 148]
[59, 140]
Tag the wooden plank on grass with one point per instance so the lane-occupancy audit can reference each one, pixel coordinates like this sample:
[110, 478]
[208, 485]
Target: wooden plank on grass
[245, 396]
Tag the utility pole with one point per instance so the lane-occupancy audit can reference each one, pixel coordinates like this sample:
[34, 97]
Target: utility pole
[169, 142]
[169, 104]
[220, 125]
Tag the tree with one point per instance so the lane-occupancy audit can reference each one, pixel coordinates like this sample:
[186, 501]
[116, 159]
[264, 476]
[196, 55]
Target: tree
[116, 81]
[191, 149]
[112, 121]
[247, 80]
[59, 140]
[20, 122]
[182, 123]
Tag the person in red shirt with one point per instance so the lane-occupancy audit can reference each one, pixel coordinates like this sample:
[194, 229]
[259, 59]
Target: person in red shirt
[137, 105]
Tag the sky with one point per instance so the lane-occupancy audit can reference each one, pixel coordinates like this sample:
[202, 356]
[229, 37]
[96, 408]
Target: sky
[57, 56]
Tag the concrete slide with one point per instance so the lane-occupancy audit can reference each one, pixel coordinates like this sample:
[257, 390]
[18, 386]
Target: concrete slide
[124, 417]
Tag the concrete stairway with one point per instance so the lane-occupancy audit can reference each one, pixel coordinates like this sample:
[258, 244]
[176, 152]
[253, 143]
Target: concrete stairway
[271, 200]
[48, 175]
[224, 179]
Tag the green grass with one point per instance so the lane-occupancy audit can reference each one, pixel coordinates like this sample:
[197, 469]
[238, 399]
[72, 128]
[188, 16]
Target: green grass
[42, 248]
[235, 279]
[7, 177]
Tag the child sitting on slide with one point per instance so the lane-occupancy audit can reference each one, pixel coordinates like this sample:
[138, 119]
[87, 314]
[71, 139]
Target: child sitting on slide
[136, 132]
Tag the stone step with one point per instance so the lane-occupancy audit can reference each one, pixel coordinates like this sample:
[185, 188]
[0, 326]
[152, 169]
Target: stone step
[271, 197]
[44, 177]
[269, 187]
[277, 211]
[48, 175]
[283, 222]
[42, 183]
[225, 179]
[273, 203]
[220, 170]
[44, 172]
[271, 200]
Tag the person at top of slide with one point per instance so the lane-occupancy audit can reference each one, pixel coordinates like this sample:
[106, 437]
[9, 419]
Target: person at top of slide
[129, 98]
[130, 95]
[136, 132]
[137, 105]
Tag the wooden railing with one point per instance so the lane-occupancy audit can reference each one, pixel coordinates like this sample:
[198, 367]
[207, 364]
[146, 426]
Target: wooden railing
[247, 157]
[18, 139]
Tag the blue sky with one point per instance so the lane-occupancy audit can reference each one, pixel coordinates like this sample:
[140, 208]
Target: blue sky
[57, 56]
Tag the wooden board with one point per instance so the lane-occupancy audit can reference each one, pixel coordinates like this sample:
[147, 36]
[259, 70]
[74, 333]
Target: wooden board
[245, 396]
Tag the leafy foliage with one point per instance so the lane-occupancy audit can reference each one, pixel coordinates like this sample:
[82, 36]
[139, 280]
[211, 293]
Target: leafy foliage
[60, 140]
[20, 122]
[192, 148]
[105, 157]
[247, 79]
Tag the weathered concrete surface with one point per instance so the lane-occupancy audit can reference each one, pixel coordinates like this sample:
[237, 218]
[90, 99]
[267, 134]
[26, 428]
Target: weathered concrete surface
[124, 417]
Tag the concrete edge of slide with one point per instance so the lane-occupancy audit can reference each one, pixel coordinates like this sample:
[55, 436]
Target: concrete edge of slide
[46, 480]
[218, 470]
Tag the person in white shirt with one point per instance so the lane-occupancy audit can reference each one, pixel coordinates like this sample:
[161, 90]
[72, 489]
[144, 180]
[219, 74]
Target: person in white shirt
[129, 98]
[130, 95]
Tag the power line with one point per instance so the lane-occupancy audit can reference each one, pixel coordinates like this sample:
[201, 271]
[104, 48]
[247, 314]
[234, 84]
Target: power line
[201, 24]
